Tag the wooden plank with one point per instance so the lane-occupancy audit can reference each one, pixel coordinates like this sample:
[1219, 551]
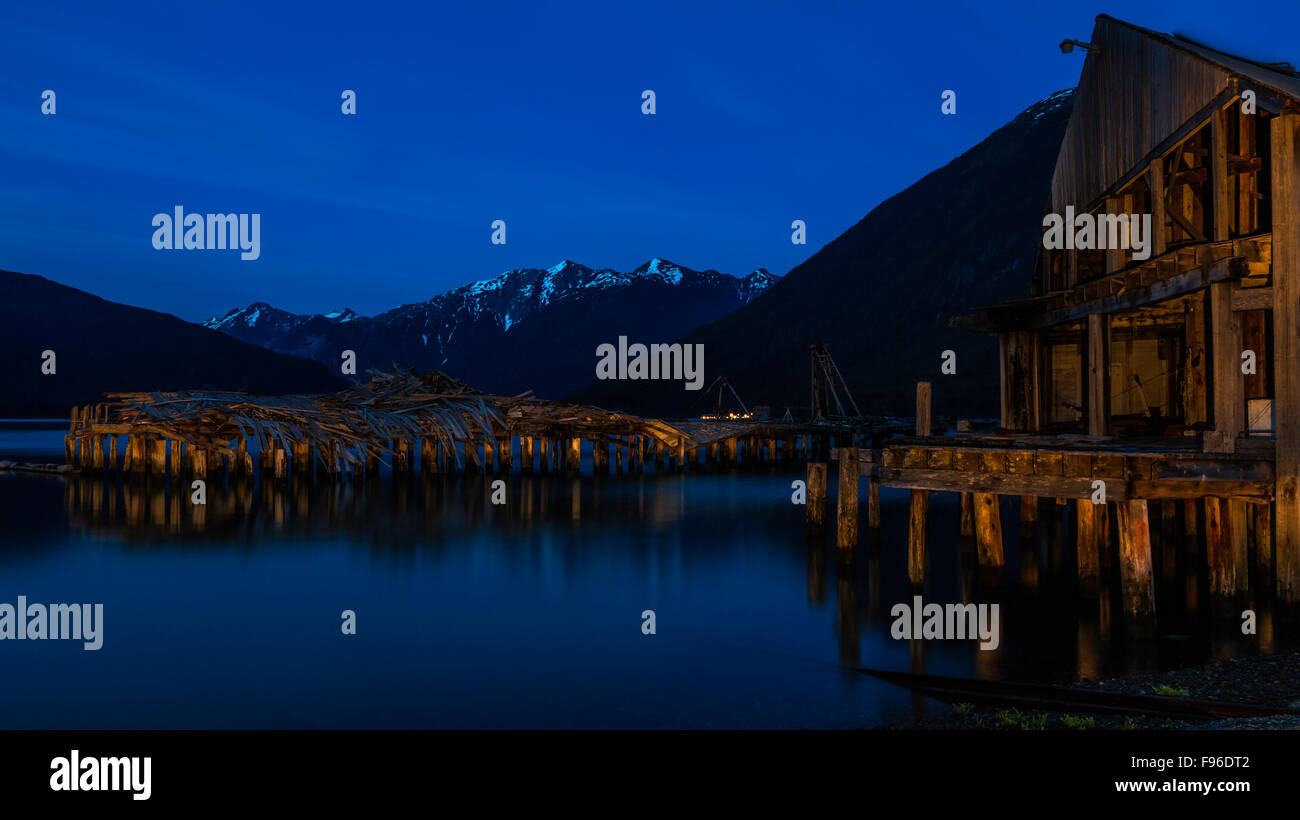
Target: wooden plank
[1258, 491]
[999, 483]
[1049, 463]
[1020, 462]
[1244, 299]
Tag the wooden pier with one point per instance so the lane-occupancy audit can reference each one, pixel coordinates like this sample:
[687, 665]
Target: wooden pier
[403, 423]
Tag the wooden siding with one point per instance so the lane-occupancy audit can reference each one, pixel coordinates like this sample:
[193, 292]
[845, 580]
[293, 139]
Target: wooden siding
[1131, 97]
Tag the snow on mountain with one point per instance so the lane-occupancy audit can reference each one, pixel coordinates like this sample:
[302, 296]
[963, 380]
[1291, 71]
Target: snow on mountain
[457, 326]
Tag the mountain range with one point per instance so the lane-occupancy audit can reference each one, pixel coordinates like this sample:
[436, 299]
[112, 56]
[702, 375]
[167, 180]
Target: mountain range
[528, 329]
[882, 293]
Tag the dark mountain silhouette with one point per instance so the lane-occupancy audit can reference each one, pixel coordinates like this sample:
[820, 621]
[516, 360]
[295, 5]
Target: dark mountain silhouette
[102, 346]
[530, 329]
[882, 293]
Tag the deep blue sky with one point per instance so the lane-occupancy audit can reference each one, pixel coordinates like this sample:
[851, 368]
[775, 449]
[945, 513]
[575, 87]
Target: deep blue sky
[527, 112]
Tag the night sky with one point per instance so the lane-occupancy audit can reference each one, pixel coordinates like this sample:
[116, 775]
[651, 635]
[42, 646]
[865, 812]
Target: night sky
[525, 112]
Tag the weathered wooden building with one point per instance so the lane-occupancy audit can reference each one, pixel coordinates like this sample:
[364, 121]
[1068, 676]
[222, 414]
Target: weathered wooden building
[1193, 346]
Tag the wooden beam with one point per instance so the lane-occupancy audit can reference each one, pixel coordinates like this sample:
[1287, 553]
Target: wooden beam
[1000, 483]
[1156, 186]
[815, 502]
[1098, 383]
[1244, 299]
[1225, 343]
[988, 530]
[916, 536]
[1285, 134]
[1088, 544]
[846, 517]
[1219, 184]
[1137, 579]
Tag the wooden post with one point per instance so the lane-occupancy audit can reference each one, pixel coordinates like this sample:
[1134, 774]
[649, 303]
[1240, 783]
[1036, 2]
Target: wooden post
[967, 514]
[1263, 515]
[198, 463]
[916, 534]
[923, 408]
[1028, 509]
[919, 508]
[575, 455]
[873, 503]
[505, 453]
[1225, 546]
[112, 452]
[681, 454]
[847, 512]
[816, 500]
[1220, 189]
[988, 530]
[1285, 182]
[1229, 396]
[1098, 374]
[526, 453]
[544, 453]
[158, 456]
[242, 461]
[1136, 577]
[1088, 544]
[1156, 185]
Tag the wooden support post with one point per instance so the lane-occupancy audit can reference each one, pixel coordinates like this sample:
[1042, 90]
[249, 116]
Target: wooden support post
[198, 463]
[988, 530]
[301, 452]
[923, 408]
[1088, 544]
[243, 462]
[847, 513]
[1028, 509]
[873, 503]
[1263, 515]
[526, 453]
[916, 536]
[429, 456]
[97, 453]
[1136, 577]
[1229, 394]
[1156, 185]
[1220, 189]
[575, 455]
[69, 442]
[1192, 523]
[816, 500]
[967, 514]
[489, 453]
[281, 463]
[618, 455]
[112, 452]
[1098, 374]
[505, 453]
[544, 453]
[158, 456]
[681, 454]
[1225, 543]
[1285, 182]
[919, 509]
[401, 455]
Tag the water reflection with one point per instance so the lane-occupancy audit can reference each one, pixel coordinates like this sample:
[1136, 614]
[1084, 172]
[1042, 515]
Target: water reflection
[1049, 630]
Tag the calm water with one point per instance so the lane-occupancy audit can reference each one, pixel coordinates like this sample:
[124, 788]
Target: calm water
[526, 615]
